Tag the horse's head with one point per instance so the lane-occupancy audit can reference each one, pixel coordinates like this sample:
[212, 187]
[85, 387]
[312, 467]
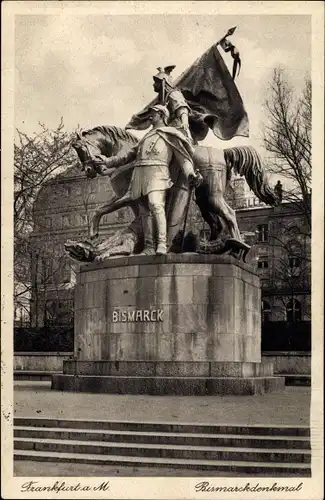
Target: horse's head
[101, 141]
[89, 144]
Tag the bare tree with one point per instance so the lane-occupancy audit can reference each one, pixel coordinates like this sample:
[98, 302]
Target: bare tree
[290, 276]
[37, 159]
[287, 137]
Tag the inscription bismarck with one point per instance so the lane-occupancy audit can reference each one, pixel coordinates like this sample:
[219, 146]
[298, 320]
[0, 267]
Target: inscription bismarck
[138, 315]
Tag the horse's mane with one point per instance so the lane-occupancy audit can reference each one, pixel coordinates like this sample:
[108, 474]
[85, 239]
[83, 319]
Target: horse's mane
[115, 133]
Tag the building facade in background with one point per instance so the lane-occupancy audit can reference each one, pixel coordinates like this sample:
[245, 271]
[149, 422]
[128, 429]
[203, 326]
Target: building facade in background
[62, 211]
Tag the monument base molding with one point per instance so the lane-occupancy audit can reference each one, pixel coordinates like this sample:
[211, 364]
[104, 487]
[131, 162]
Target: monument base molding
[173, 378]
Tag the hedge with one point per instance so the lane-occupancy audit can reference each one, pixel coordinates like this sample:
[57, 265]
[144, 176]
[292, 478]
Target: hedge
[283, 336]
[44, 339]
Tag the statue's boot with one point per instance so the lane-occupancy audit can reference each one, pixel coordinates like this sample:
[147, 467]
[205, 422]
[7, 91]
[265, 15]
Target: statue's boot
[161, 249]
[159, 216]
[148, 230]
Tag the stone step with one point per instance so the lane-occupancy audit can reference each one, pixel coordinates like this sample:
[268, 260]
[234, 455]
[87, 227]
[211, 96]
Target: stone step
[200, 428]
[236, 467]
[297, 379]
[290, 379]
[165, 450]
[35, 374]
[285, 442]
[176, 386]
[237, 369]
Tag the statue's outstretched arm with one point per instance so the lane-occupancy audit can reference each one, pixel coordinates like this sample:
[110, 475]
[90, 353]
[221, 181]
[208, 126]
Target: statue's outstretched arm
[105, 166]
[101, 167]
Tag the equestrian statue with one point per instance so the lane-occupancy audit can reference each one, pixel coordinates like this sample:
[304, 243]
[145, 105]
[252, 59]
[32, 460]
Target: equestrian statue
[157, 175]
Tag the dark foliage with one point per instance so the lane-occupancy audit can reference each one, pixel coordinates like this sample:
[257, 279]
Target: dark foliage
[44, 339]
[283, 336]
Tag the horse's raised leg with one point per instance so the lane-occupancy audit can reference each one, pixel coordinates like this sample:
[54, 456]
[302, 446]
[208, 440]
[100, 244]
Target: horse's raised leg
[108, 208]
[219, 205]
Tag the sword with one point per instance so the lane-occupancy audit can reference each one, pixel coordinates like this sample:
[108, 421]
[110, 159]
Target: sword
[192, 187]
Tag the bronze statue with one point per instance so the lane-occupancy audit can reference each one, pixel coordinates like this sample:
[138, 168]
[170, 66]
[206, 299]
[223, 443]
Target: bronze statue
[156, 175]
[215, 167]
[151, 178]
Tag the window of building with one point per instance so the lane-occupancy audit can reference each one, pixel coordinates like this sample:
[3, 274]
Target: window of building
[65, 312]
[263, 232]
[294, 262]
[266, 311]
[66, 304]
[59, 312]
[70, 304]
[106, 219]
[83, 219]
[48, 222]
[263, 262]
[50, 313]
[65, 220]
[293, 311]
[66, 272]
[47, 271]
[265, 282]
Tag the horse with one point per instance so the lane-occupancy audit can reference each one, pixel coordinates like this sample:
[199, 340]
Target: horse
[214, 165]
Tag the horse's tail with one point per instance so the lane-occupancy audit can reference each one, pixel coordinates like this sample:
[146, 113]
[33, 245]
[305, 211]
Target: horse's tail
[246, 162]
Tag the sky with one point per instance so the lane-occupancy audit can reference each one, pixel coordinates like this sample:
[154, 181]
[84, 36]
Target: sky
[97, 69]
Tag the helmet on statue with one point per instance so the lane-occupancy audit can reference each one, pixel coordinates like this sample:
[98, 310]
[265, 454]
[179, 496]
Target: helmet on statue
[164, 74]
[162, 110]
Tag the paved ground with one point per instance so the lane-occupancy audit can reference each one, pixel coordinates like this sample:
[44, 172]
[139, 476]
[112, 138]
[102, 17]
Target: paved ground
[290, 407]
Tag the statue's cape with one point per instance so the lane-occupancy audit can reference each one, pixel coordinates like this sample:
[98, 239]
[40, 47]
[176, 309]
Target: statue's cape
[213, 97]
[121, 178]
[177, 140]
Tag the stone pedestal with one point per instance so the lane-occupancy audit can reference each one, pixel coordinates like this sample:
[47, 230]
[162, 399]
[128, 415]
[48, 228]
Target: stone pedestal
[177, 324]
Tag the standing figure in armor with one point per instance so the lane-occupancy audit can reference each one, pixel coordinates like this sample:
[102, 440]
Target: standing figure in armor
[150, 180]
[173, 98]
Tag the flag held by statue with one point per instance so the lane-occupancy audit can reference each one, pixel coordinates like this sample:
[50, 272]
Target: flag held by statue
[213, 97]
